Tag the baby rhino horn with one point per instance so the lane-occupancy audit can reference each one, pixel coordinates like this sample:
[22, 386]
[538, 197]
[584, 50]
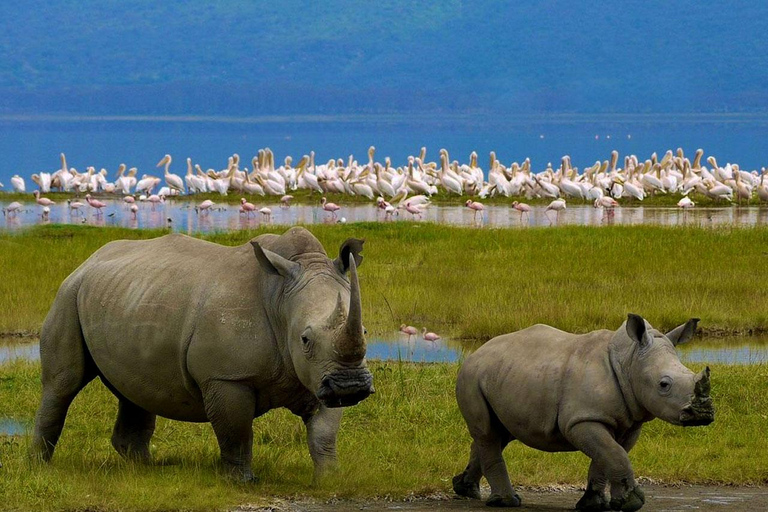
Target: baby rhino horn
[702, 386]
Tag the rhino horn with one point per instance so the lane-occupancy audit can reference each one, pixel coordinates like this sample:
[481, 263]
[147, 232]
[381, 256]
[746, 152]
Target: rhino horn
[702, 386]
[352, 344]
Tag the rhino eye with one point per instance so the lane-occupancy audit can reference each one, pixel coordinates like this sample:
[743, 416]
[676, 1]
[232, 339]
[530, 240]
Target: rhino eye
[304, 339]
[665, 385]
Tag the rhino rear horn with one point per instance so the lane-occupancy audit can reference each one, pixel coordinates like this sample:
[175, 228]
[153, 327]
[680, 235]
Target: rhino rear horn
[637, 330]
[274, 263]
[353, 246]
[683, 333]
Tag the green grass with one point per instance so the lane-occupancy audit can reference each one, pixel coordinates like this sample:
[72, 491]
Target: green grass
[408, 438]
[445, 199]
[475, 284]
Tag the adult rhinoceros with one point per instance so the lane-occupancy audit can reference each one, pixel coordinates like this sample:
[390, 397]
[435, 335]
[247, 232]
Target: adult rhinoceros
[195, 331]
[557, 391]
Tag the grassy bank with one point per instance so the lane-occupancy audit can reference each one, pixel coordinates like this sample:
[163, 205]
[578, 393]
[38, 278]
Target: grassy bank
[409, 437]
[443, 198]
[467, 283]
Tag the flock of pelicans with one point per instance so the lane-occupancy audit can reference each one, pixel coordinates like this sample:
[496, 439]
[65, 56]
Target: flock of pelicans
[410, 187]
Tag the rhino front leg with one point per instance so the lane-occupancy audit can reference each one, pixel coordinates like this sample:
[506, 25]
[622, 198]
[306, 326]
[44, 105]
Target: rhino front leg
[594, 499]
[611, 461]
[231, 407]
[322, 428]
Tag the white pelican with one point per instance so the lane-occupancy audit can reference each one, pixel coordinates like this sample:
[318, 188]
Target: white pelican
[173, 180]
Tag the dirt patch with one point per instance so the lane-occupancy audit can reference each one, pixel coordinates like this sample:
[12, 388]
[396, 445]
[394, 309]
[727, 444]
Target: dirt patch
[657, 498]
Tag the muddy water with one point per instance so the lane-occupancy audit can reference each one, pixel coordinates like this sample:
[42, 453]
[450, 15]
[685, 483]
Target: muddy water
[183, 217]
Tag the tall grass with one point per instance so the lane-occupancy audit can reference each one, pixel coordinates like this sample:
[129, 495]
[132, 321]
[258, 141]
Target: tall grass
[407, 438]
[475, 284]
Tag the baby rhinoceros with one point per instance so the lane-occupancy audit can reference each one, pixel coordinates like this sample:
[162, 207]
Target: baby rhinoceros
[556, 391]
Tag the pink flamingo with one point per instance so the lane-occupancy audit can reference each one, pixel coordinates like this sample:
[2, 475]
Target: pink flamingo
[413, 210]
[74, 206]
[607, 203]
[205, 206]
[134, 211]
[154, 199]
[557, 206]
[129, 199]
[286, 201]
[330, 207]
[43, 201]
[246, 207]
[95, 203]
[522, 208]
[409, 330]
[382, 204]
[266, 213]
[477, 207]
[429, 336]
[13, 208]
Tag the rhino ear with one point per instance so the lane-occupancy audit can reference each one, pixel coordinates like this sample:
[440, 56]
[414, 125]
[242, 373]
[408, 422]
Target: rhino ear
[274, 263]
[637, 331]
[683, 333]
[352, 246]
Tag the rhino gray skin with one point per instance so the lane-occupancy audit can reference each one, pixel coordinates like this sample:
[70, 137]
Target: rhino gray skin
[195, 331]
[556, 391]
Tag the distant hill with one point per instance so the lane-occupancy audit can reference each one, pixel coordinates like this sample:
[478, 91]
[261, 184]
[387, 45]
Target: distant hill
[237, 57]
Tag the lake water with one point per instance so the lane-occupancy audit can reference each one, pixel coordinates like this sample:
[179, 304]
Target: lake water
[741, 350]
[227, 218]
[29, 146]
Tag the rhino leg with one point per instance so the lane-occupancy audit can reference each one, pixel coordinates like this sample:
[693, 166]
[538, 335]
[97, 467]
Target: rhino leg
[322, 428]
[594, 499]
[66, 369]
[612, 461]
[489, 437]
[231, 407]
[467, 483]
[133, 430]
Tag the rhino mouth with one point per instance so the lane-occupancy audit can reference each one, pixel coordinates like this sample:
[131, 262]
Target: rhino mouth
[345, 388]
[697, 414]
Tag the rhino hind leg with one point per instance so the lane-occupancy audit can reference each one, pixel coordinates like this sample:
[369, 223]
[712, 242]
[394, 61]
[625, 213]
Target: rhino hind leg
[490, 438]
[67, 367]
[467, 483]
[133, 431]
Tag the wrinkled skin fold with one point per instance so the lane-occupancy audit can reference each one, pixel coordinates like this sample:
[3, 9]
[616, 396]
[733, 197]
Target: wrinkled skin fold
[195, 331]
[556, 391]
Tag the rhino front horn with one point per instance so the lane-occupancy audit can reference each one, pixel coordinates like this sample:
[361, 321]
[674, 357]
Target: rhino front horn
[702, 385]
[353, 346]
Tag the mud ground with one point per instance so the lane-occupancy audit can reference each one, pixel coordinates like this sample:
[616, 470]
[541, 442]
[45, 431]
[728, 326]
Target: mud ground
[658, 499]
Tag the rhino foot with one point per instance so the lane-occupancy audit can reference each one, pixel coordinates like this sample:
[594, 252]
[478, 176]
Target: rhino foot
[464, 488]
[240, 475]
[631, 501]
[497, 500]
[593, 501]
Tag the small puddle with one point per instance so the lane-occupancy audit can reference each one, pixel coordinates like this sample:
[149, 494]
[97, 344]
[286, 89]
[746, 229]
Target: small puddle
[11, 349]
[11, 427]
[416, 350]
